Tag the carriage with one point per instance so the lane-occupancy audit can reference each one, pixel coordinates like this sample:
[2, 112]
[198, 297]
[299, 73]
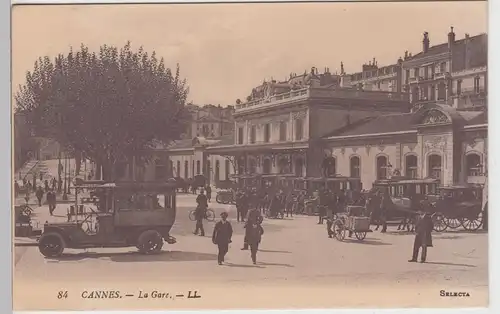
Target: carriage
[460, 206]
[406, 199]
[353, 221]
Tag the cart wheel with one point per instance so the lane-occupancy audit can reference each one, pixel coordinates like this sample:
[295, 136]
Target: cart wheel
[360, 235]
[51, 244]
[473, 224]
[453, 223]
[339, 230]
[210, 215]
[439, 222]
[218, 199]
[150, 241]
[192, 215]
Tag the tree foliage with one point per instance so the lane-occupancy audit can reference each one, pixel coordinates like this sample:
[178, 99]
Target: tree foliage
[105, 105]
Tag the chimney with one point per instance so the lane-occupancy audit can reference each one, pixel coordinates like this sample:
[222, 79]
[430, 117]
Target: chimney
[426, 42]
[451, 38]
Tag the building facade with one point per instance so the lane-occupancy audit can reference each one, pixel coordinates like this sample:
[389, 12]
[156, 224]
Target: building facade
[436, 141]
[452, 73]
[374, 78]
[280, 130]
[210, 121]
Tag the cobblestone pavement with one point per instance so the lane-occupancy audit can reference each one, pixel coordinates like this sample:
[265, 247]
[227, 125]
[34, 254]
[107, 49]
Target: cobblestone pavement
[294, 252]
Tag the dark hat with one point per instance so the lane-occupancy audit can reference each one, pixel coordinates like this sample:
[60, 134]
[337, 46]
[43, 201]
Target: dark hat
[223, 214]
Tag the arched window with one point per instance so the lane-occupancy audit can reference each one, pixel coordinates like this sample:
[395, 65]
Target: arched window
[473, 164]
[228, 170]
[329, 166]
[411, 166]
[160, 171]
[241, 165]
[178, 170]
[299, 165]
[266, 166]
[284, 165]
[434, 166]
[186, 169]
[252, 166]
[355, 164]
[217, 171]
[381, 167]
[441, 91]
[198, 167]
[415, 94]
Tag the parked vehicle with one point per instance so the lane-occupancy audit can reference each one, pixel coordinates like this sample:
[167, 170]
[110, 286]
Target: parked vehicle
[132, 214]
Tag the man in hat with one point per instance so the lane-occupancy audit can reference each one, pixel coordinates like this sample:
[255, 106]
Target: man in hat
[423, 236]
[223, 231]
[254, 217]
[253, 236]
[200, 213]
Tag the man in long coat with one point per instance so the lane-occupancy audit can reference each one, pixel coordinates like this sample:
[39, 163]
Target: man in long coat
[423, 236]
[223, 231]
[254, 217]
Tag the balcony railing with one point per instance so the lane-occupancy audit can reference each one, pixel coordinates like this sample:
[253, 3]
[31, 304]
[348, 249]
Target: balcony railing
[307, 93]
[442, 75]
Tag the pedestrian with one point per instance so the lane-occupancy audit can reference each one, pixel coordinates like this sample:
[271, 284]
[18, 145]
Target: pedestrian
[254, 236]
[59, 185]
[423, 236]
[323, 204]
[16, 188]
[209, 192]
[254, 217]
[485, 217]
[39, 195]
[384, 210]
[200, 213]
[54, 184]
[241, 204]
[223, 231]
[46, 186]
[51, 200]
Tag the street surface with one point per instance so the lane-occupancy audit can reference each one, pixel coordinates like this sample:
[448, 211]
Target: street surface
[298, 266]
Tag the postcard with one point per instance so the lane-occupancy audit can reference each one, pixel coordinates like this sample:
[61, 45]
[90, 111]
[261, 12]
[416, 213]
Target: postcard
[250, 156]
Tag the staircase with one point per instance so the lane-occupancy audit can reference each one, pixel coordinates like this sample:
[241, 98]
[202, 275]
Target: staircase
[33, 167]
[26, 170]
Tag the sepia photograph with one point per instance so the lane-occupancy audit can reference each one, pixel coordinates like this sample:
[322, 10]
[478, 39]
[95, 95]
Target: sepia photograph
[215, 156]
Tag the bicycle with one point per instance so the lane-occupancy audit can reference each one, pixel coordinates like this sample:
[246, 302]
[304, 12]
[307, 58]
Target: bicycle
[209, 215]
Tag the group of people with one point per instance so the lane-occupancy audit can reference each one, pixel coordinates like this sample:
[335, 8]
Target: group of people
[223, 231]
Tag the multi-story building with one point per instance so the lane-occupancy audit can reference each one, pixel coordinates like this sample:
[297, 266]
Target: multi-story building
[210, 121]
[453, 73]
[372, 77]
[280, 129]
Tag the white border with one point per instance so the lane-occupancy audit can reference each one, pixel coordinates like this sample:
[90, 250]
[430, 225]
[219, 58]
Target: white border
[5, 160]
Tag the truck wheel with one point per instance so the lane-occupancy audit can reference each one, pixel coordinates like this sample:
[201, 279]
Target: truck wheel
[150, 241]
[51, 244]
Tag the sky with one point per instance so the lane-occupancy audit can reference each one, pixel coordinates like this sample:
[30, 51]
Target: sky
[224, 50]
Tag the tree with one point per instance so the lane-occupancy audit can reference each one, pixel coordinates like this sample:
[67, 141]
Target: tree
[109, 106]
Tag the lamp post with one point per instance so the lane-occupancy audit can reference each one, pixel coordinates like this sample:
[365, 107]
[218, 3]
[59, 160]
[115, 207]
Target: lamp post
[65, 195]
[69, 175]
[59, 172]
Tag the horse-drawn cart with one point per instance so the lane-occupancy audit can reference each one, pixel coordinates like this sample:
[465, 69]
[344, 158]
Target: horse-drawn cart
[352, 222]
[460, 206]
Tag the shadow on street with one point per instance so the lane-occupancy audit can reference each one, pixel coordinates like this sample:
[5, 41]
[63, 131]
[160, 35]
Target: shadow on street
[450, 264]
[271, 251]
[366, 241]
[163, 256]
[243, 265]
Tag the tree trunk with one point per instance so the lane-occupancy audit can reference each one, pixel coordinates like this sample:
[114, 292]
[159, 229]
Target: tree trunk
[98, 168]
[78, 162]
